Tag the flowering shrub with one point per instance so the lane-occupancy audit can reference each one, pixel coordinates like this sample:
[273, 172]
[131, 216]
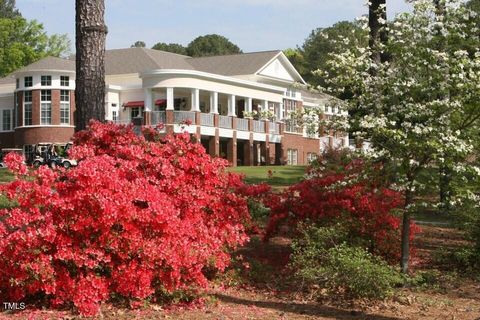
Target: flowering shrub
[135, 217]
[361, 206]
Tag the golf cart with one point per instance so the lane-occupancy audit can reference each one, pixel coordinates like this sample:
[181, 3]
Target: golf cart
[53, 155]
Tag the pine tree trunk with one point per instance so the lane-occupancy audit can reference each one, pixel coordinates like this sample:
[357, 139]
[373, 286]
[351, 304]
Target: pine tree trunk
[406, 231]
[377, 12]
[90, 62]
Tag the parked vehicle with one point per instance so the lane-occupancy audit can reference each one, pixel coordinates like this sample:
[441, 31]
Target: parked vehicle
[53, 155]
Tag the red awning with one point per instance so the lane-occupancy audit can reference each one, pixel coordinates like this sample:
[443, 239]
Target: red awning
[160, 102]
[134, 104]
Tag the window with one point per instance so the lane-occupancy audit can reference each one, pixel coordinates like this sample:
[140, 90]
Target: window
[27, 108]
[28, 81]
[46, 107]
[17, 83]
[6, 120]
[46, 80]
[134, 112]
[114, 115]
[292, 157]
[311, 157]
[64, 107]
[64, 81]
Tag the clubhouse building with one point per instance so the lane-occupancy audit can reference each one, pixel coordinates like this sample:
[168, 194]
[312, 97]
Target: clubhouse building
[214, 94]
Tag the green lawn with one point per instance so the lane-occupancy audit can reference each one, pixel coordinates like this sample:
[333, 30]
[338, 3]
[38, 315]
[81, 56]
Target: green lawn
[5, 175]
[282, 176]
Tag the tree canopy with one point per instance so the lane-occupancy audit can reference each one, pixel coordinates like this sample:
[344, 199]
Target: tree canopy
[138, 44]
[170, 47]
[315, 52]
[8, 9]
[23, 42]
[211, 45]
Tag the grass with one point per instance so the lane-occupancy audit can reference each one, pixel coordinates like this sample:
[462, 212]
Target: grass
[282, 176]
[5, 175]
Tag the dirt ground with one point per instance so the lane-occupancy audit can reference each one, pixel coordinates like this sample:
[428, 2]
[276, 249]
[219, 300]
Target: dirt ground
[267, 296]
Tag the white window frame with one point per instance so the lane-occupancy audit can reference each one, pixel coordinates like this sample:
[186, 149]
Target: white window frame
[9, 112]
[45, 103]
[292, 157]
[48, 80]
[64, 107]
[25, 104]
[30, 82]
[64, 81]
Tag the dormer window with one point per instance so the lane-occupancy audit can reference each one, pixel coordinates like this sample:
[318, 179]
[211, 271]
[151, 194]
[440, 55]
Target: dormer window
[28, 81]
[64, 81]
[46, 80]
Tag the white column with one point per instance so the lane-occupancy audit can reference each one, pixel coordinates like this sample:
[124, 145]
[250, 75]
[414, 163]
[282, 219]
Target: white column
[195, 100]
[248, 104]
[148, 99]
[264, 105]
[214, 102]
[170, 98]
[280, 106]
[231, 106]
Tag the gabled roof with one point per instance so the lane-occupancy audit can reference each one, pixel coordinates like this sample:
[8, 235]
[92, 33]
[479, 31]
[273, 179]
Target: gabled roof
[138, 60]
[50, 63]
[235, 64]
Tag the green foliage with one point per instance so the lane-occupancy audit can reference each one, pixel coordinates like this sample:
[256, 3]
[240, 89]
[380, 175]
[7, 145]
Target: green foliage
[322, 257]
[138, 44]
[211, 45]
[170, 47]
[317, 49]
[8, 10]
[23, 42]
[258, 212]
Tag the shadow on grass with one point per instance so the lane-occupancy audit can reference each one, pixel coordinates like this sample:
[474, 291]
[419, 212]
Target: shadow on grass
[311, 309]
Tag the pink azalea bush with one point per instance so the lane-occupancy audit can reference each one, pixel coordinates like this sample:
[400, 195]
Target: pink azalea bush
[137, 216]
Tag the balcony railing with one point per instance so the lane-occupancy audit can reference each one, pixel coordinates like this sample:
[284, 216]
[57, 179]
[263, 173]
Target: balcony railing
[242, 124]
[158, 117]
[258, 126]
[122, 121]
[225, 122]
[274, 128]
[184, 116]
[291, 126]
[207, 119]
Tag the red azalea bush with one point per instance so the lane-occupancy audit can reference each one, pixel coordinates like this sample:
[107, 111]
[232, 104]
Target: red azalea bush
[138, 215]
[342, 196]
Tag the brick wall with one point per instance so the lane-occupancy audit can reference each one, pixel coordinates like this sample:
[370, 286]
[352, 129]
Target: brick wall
[7, 140]
[42, 134]
[300, 143]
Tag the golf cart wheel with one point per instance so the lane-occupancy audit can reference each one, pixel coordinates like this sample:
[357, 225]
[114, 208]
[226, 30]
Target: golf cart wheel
[36, 164]
[53, 165]
[67, 164]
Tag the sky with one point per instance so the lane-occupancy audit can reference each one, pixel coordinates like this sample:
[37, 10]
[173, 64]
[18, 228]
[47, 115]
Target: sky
[253, 25]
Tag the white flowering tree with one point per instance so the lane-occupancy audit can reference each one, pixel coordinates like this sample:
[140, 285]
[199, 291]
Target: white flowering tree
[420, 107]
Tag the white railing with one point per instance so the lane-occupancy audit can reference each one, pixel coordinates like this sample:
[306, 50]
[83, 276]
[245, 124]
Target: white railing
[123, 121]
[158, 117]
[258, 126]
[242, 124]
[225, 122]
[274, 128]
[291, 126]
[207, 119]
[183, 116]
